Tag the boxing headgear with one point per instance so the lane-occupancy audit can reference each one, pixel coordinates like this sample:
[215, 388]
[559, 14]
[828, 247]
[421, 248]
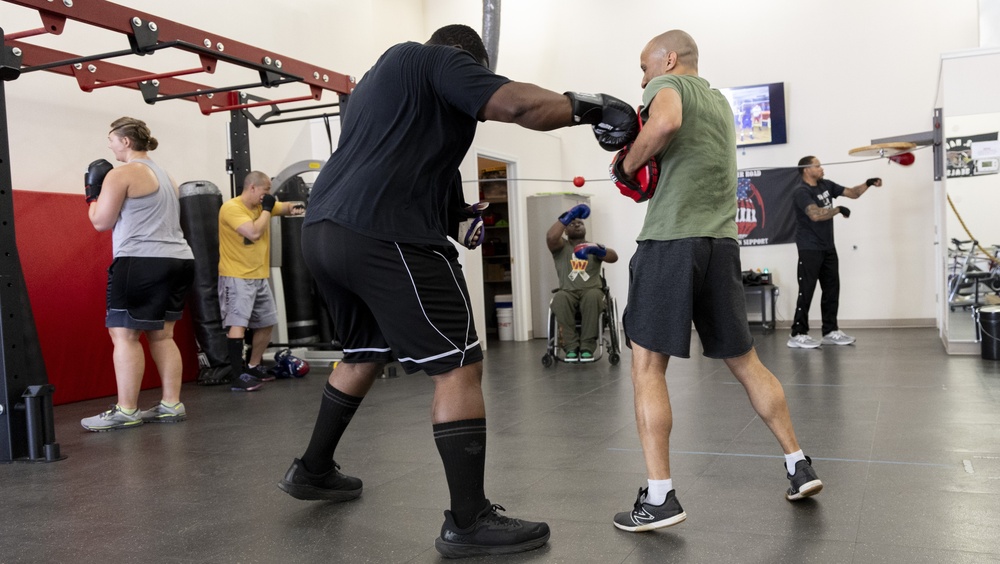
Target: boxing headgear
[288, 365]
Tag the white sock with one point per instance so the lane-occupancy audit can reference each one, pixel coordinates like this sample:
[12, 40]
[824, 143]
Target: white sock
[791, 459]
[658, 490]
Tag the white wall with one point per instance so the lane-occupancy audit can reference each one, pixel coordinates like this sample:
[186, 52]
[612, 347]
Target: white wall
[56, 129]
[854, 71]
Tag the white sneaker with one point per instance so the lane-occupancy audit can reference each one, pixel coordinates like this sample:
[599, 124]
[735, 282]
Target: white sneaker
[838, 337]
[803, 341]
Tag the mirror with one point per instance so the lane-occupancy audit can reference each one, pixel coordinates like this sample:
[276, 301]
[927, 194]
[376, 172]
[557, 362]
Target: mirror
[972, 188]
[969, 194]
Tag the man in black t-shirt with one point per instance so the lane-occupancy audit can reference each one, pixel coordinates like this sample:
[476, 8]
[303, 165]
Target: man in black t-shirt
[375, 238]
[814, 212]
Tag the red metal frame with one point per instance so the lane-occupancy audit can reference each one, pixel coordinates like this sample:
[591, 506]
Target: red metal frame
[147, 34]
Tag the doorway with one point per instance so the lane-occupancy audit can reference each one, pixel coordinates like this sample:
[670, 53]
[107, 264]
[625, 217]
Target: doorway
[497, 250]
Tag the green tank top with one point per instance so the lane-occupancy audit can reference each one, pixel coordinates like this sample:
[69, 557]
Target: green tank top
[696, 192]
[574, 273]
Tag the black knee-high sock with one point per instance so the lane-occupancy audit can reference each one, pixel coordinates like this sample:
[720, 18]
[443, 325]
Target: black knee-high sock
[335, 413]
[235, 357]
[462, 445]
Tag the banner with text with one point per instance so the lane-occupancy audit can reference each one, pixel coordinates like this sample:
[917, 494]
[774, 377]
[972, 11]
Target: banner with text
[764, 213]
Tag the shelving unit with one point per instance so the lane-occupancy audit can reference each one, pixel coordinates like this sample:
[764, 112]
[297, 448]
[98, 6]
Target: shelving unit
[496, 248]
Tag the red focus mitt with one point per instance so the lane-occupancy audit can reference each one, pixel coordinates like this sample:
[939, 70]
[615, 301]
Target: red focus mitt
[643, 186]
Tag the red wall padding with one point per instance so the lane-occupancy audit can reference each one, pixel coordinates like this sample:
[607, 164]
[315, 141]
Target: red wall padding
[65, 264]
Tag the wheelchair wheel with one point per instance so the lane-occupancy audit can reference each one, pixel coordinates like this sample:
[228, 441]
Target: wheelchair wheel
[547, 360]
[612, 314]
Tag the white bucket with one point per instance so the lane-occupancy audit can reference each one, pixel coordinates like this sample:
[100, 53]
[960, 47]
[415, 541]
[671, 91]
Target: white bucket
[505, 323]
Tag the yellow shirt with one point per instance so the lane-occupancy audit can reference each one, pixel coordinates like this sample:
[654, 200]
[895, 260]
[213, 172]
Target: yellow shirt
[240, 257]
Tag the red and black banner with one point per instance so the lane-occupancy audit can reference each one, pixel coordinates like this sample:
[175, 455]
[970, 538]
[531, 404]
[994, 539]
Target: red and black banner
[764, 213]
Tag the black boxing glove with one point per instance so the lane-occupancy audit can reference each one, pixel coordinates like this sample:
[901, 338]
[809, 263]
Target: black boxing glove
[268, 203]
[94, 178]
[873, 181]
[844, 211]
[644, 185]
[614, 122]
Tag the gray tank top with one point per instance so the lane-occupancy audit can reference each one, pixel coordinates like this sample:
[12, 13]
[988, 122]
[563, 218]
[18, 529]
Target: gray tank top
[150, 226]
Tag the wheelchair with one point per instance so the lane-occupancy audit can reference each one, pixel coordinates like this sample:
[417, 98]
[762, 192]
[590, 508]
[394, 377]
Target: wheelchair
[608, 322]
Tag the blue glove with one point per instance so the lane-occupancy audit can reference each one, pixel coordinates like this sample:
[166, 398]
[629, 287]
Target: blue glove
[583, 249]
[581, 211]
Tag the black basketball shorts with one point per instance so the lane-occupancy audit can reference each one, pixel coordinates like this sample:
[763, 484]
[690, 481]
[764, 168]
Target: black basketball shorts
[672, 283]
[393, 300]
[145, 292]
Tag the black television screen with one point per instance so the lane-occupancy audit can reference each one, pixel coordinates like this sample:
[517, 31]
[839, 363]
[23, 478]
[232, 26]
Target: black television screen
[758, 113]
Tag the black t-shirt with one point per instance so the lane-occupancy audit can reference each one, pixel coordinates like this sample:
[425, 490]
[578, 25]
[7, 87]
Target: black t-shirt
[406, 129]
[815, 235]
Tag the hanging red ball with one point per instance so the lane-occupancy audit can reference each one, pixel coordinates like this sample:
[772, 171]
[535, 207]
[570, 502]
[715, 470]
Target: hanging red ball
[578, 181]
[904, 159]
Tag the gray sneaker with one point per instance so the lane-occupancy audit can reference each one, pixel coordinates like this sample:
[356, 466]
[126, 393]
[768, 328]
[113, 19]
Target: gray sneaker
[803, 341]
[160, 413]
[838, 337]
[646, 517]
[111, 419]
[804, 482]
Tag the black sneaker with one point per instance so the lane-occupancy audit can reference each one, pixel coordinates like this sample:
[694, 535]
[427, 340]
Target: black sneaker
[491, 533]
[330, 486]
[246, 383]
[804, 482]
[646, 517]
[259, 374]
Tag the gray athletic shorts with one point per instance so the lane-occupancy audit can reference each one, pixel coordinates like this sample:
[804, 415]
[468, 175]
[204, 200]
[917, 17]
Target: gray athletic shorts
[675, 283]
[246, 302]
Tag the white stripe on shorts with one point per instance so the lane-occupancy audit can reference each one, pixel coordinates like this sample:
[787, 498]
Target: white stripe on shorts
[468, 315]
[387, 349]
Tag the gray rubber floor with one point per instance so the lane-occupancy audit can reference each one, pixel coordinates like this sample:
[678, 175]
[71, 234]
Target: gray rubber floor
[906, 439]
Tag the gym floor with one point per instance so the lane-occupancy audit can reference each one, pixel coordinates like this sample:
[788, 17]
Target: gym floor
[905, 438]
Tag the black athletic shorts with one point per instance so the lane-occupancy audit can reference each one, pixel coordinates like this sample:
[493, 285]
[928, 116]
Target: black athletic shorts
[393, 300]
[672, 283]
[145, 292]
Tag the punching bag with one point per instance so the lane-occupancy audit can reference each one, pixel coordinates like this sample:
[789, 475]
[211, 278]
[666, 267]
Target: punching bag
[301, 310]
[200, 202]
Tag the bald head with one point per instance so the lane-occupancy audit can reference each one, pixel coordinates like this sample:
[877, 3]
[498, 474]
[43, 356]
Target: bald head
[673, 52]
[255, 178]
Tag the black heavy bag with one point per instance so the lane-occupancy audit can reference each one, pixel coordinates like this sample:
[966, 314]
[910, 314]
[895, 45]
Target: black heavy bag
[200, 202]
[301, 308]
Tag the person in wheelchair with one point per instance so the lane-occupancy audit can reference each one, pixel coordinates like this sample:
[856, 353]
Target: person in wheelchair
[578, 264]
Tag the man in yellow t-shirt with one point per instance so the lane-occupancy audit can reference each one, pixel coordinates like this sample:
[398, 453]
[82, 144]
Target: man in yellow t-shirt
[244, 267]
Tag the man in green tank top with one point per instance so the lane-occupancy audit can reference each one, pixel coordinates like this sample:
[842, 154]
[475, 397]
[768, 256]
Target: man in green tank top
[687, 269]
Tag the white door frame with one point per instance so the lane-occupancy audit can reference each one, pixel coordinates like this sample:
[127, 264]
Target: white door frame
[519, 252]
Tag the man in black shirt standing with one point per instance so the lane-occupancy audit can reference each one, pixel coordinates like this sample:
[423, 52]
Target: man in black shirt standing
[375, 240]
[814, 212]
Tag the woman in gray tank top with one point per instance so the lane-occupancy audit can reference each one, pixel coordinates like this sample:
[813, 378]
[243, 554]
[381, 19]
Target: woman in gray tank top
[149, 277]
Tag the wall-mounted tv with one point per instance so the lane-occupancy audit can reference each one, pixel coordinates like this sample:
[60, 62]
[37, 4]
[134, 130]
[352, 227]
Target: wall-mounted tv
[758, 113]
